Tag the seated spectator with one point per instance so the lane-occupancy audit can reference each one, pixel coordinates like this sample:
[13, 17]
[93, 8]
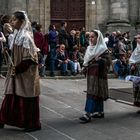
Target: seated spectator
[75, 57]
[121, 67]
[53, 60]
[64, 61]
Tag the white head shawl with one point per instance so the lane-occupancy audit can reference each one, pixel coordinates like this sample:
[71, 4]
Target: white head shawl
[135, 56]
[95, 51]
[24, 36]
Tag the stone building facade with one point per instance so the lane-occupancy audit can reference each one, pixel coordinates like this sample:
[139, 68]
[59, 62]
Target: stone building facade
[107, 15]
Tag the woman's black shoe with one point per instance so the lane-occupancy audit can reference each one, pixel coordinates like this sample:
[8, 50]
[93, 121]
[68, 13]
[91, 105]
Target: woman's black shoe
[32, 129]
[1, 125]
[85, 119]
[98, 115]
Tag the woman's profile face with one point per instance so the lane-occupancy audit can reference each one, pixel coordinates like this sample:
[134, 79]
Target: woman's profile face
[93, 38]
[16, 23]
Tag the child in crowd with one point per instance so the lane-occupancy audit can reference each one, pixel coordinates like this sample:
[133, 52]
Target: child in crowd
[75, 57]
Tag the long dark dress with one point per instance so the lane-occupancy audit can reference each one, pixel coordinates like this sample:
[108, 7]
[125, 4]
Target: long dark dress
[97, 84]
[20, 106]
[136, 87]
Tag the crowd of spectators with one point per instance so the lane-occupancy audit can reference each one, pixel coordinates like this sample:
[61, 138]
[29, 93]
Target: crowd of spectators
[120, 47]
[61, 50]
[64, 51]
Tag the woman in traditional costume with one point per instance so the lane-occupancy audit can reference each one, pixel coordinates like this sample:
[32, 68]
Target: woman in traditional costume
[20, 106]
[135, 70]
[96, 63]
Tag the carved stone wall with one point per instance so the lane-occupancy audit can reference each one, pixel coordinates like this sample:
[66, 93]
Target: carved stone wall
[104, 14]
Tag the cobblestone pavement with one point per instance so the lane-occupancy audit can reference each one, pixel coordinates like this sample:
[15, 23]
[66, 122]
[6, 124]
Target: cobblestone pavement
[62, 103]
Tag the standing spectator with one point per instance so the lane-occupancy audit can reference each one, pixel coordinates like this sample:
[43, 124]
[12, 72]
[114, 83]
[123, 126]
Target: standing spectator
[63, 35]
[39, 37]
[83, 42]
[33, 24]
[20, 106]
[111, 40]
[41, 43]
[53, 36]
[78, 39]
[87, 38]
[96, 63]
[111, 44]
[81, 54]
[1, 24]
[2, 39]
[72, 40]
[134, 43]
[7, 28]
[106, 38]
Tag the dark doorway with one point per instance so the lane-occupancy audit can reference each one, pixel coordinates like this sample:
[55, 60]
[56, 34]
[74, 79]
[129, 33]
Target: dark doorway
[71, 11]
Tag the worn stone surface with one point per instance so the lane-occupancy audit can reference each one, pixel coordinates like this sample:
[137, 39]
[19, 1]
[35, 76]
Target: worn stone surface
[98, 12]
[62, 103]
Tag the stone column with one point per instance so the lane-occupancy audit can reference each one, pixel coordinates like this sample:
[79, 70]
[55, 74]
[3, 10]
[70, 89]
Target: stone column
[3, 7]
[118, 15]
[138, 10]
[90, 15]
[138, 17]
[39, 10]
[15, 5]
[47, 17]
[33, 9]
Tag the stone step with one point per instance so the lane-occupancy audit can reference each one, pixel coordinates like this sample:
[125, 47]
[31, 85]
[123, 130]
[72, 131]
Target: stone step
[58, 73]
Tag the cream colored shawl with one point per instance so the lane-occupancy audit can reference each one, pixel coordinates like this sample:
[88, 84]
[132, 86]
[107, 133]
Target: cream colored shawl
[24, 36]
[95, 51]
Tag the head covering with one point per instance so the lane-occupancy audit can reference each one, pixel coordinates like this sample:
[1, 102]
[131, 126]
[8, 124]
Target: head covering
[37, 49]
[24, 36]
[135, 56]
[95, 51]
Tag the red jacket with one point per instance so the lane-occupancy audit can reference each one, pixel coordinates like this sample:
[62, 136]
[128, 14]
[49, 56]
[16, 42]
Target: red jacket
[41, 42]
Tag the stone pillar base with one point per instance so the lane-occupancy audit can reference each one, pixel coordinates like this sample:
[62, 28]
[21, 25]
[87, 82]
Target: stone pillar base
[120, 25]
